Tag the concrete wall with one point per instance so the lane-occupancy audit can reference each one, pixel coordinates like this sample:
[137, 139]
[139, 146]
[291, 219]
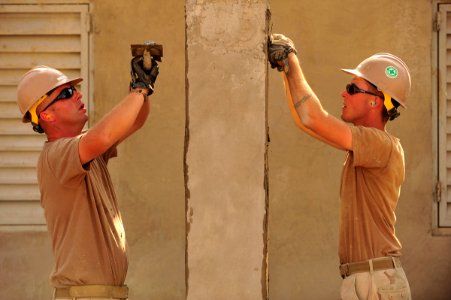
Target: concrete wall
[226, 149]
[303, 173]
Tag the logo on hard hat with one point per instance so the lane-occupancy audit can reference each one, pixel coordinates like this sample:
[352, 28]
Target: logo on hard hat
[391, 72]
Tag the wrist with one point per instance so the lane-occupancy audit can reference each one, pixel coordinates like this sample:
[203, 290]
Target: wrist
[141, 91]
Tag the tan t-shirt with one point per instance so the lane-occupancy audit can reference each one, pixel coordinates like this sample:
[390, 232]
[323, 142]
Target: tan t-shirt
[82, 216]
[371, 182]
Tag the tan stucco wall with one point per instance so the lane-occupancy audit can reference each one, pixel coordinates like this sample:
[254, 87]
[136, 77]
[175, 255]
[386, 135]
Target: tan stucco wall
[303, 173]
[148, 174]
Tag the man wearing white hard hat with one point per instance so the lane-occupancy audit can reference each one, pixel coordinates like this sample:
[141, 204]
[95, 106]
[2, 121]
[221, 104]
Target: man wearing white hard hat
[77, 194]
[369, 251]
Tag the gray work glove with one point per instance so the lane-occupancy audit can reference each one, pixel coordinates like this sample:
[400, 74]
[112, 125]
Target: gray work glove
[279, 46]
[141, 77]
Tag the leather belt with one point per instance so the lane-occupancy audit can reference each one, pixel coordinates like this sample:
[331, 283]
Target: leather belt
[92, 291]
[381, 263]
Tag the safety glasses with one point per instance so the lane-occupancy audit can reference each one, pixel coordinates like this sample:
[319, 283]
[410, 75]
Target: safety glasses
[353, 89]
[66, 93]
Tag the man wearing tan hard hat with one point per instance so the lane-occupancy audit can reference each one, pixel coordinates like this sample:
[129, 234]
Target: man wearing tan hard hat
[373, 173]
[77, 195]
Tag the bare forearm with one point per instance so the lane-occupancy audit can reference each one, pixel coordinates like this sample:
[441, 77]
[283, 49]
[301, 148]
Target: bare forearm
[291, 106]
[113, 127]
[121, 118]
[306, 108]
[304, 105]
[304, 99]
[140, 119]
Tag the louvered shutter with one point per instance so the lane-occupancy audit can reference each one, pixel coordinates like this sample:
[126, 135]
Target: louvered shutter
[31, 35]
[444, 115]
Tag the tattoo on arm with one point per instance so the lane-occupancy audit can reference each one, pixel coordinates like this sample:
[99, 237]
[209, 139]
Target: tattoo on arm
[303, 99]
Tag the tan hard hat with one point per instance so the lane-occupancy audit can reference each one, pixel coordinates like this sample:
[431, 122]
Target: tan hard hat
[36, 83]
[388, 73]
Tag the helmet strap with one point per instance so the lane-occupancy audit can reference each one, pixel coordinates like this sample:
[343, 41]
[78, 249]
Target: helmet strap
[37, 128]
[391, 109]
[32, 111]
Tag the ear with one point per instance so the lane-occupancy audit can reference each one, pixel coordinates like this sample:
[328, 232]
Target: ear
[47, 116]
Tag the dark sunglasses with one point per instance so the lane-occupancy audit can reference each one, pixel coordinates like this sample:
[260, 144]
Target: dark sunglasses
[353, 89]
[66, 93]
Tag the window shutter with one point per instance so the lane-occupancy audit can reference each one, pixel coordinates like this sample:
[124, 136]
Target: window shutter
[444, 115]
[31, 35]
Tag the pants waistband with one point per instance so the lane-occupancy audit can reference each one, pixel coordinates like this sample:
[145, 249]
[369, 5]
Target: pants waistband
[375, 264]
[92, 291]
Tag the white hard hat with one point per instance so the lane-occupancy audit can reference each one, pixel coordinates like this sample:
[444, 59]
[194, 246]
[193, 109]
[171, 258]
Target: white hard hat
[388, 73]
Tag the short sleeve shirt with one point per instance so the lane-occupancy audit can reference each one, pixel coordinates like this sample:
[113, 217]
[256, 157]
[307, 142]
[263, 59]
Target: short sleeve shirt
[371, 182]
[82, 216]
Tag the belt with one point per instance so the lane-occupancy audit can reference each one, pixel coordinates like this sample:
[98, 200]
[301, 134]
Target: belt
[381, 263]
[92, 291]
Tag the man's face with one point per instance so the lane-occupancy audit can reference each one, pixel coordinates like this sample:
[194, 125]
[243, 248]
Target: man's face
[66, 105]
[356, 101]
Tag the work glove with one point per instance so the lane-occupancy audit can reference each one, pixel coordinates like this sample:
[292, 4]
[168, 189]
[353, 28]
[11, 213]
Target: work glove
[279, 46]
[141, 77]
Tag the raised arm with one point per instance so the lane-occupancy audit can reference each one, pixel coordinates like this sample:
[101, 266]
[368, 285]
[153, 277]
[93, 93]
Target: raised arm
[305, 107]
[114, 127]
[125, 118]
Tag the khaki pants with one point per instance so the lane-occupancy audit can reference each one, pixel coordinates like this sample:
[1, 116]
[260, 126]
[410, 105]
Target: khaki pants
[85, 298]
[389, 284]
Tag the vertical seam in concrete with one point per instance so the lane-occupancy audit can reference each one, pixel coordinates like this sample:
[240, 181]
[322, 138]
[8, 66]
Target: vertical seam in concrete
[185, 165]
[265, 274]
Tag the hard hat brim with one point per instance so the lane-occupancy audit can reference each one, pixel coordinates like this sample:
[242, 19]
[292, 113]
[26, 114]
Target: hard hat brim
[354, 72]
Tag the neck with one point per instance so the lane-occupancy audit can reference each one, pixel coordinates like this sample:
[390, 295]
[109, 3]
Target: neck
[380, 126]
[56, 133]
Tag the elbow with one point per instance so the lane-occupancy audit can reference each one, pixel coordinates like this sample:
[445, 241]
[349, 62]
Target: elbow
[308, 120]
[311, 120]
[139, 123]
[137, 126]
[105, 140]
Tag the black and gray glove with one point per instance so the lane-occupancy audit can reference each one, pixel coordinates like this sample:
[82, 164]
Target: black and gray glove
[141, 78]
[279, 46]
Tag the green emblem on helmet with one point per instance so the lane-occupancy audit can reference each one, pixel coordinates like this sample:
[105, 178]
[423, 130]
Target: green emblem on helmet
[391, 72]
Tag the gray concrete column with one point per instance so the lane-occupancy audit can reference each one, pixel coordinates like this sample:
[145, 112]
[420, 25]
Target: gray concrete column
[225, 164]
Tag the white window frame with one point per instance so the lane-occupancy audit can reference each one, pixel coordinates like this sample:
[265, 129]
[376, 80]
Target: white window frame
[12, 216]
